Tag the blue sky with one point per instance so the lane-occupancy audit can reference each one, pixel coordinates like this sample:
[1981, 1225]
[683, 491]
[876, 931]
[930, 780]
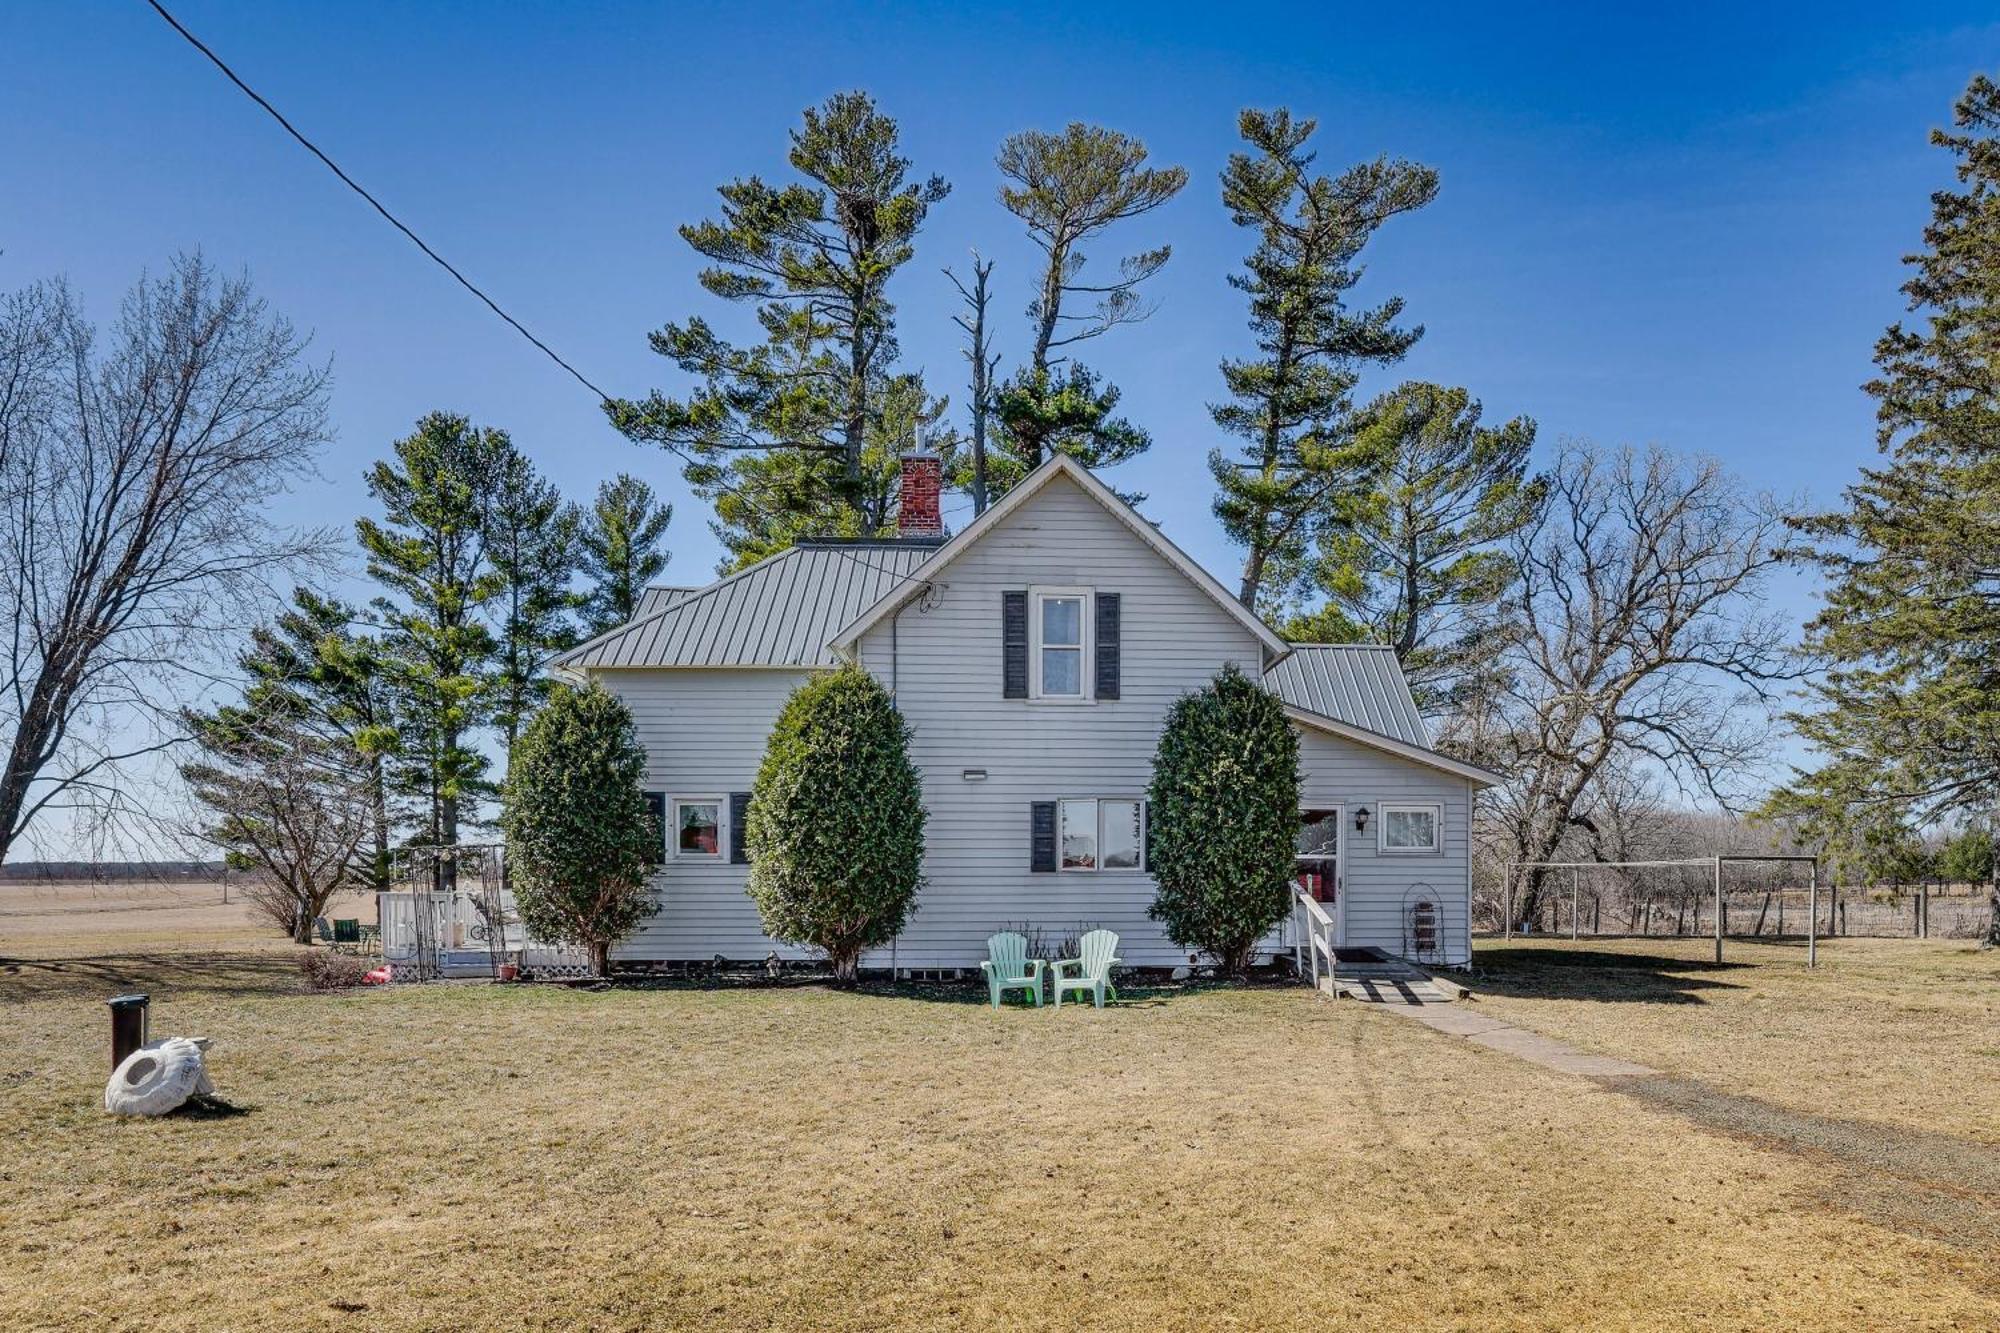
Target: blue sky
[1683, 231]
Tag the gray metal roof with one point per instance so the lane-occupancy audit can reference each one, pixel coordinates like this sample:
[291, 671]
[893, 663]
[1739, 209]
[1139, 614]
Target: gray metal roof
[658, 597]
[779, 612]
[1356, 683]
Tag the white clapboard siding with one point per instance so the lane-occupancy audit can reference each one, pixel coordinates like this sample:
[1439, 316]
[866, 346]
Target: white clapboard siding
[1377, 885]
[704, 732]
[947, 666]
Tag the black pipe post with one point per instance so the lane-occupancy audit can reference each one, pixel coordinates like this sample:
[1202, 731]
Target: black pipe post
[128, 1025]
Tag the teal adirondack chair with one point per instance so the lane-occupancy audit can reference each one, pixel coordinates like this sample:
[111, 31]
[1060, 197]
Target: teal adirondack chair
[1093, 968]
[1008, 967]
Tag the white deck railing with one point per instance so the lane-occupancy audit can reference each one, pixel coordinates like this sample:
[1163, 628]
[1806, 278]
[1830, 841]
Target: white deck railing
[1314, 941]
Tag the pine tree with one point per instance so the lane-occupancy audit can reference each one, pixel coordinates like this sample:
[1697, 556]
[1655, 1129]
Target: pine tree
[531, 540]
[1068, 188]
[1909, 708]
[1290, 404]
[777, 432]
[430, 556]
[316, 656]
[619, 549]
[1414, 559]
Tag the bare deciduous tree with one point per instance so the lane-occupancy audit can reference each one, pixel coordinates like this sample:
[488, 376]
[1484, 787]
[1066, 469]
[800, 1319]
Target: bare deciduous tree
[1639, 641]
[134, 540]
[287, 796]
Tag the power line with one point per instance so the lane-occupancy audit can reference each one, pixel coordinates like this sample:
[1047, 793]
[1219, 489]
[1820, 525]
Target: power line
[373, 202]
[440, 260]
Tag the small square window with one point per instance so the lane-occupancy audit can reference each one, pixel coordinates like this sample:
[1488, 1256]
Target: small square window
[1410, 828]
[698, 827]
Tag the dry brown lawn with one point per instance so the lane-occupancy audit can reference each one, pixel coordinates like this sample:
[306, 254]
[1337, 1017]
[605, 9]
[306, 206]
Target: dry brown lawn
[1896, 1032]
[460, 1156]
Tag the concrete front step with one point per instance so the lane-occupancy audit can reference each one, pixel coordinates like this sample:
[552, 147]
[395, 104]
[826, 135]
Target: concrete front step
[1399, 986]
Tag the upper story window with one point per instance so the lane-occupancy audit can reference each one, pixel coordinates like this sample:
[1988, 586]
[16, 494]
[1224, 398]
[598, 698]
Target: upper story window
[1060, 623]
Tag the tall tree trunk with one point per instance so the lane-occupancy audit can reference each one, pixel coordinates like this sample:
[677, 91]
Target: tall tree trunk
[36, 736]
[1992, 938]
[982, 376]
[1253, 570]
[378, 797]
[448, 826]
[856, 427]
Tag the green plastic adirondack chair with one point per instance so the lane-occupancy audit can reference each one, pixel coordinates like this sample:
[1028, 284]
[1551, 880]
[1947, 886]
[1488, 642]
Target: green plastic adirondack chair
[1008, 967]
[1093, 968]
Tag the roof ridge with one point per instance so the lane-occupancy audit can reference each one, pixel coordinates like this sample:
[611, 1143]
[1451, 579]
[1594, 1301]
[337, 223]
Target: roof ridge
[694, 595]
[1062, 465]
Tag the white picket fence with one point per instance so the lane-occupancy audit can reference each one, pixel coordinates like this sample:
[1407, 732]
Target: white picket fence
[462, 934]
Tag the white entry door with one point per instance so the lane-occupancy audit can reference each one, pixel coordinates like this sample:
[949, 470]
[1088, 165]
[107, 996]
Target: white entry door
[1318, 849]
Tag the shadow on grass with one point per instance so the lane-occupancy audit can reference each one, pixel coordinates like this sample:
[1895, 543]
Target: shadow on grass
[209, 1108]
[1133, 992]
[100, 976]
[1528, 972]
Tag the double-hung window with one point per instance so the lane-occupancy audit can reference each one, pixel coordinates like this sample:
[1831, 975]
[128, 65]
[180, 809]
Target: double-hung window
[1060, 622]
[1411, 828]
[1101, 834]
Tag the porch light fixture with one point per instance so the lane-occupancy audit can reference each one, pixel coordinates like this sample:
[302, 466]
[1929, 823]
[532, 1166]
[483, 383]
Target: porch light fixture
[1361, 820]
[973, 774]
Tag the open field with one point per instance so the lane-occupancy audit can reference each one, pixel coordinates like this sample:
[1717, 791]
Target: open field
[469, 1156]
[141, 914]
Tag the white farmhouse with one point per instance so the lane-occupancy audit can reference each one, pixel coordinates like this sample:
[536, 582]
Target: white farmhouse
[1035, 655]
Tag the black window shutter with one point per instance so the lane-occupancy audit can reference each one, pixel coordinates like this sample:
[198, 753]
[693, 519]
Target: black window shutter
[1014, 645]
[1042, 835]
[1107, 645]
[739, 817]
[656, 809]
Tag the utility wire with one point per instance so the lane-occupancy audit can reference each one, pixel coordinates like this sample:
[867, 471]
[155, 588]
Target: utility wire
[373, 202]
[444, 263]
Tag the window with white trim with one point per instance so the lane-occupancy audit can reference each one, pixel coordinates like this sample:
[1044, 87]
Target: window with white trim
[1101, 833]
[1059, 628]
[696, 828]
[1410, 828]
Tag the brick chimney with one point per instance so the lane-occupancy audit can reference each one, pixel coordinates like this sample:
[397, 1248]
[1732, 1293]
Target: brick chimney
[919, 511]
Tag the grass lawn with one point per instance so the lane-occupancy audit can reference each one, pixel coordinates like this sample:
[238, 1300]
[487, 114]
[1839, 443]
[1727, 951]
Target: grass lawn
[1896, 1032]
[469, 1156]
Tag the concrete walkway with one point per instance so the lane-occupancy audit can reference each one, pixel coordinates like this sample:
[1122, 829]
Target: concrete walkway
[1495, 1034]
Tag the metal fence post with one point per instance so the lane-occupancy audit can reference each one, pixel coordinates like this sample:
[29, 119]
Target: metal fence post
[1812, 916]
[1718, 909]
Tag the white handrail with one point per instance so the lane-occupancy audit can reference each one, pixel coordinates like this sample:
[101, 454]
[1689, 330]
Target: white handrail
[1316, 934]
